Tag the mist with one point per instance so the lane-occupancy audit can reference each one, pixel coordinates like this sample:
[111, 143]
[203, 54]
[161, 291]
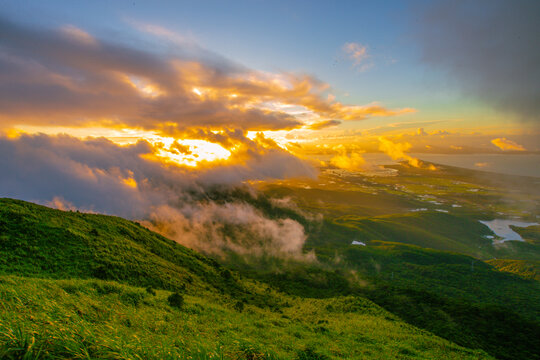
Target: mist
[97, 175]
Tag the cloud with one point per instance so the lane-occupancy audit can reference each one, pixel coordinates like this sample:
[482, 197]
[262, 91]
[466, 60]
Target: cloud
[66, 77]
[397, 151]
[490, 47]
[352, 162]
[401, 126]
[162, 32]
[78, 35]
[98, 175]
[178, 148]
[89, 174]
[324, 124]
[358, 54]
[219, 229]
[505, 144]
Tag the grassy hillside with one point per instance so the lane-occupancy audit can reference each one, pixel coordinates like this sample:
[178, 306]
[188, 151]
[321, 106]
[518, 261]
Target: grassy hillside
[436, 291]
[446, 274]
[96, 319]
[456, 296]
[523, 268]
[43, 242]
[100, 262]
[90, 286]
[434, 230]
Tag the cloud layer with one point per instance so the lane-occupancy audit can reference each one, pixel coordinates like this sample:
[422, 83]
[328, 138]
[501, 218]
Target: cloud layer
[219, 229]
[98, 175]
[67, 77]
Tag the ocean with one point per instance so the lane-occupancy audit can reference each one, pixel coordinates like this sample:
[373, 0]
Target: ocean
[515, 164]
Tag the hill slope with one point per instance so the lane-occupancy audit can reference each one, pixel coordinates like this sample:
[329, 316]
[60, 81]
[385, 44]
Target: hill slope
[56, 303]
[43, 242]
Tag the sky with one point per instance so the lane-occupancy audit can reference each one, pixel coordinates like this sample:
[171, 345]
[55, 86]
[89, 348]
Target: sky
[119, 106]
[399, 54]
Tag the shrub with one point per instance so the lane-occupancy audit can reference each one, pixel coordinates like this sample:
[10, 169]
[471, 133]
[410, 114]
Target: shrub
[176, 300]
[151, 291]
[132, 297]
[239, 306]
[226, 274]
[310, 354]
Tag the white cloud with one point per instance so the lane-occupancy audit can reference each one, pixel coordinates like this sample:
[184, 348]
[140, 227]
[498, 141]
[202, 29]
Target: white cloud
[359, 55]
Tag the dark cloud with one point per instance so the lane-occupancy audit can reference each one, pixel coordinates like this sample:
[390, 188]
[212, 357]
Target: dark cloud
[490, 48]
[87, 174]
[98, 175]
[324, 124]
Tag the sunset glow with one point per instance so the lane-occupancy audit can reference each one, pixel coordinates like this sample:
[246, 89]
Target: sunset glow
[270, 179]
[178, 97]
[189, 152]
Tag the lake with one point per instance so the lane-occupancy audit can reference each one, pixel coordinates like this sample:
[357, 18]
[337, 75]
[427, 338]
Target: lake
[501, 228]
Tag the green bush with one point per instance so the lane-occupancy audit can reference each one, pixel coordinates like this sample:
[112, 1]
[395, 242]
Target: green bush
[132, 297]
[310, 354]
[239, 306]
[151, 291]
[176, 300]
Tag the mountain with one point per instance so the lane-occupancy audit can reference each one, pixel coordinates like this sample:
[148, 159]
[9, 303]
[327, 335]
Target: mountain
[75, 285]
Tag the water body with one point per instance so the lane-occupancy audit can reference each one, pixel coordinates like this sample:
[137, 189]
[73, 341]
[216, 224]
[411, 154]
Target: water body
[358, 243]
[501, 228]
[515, 164]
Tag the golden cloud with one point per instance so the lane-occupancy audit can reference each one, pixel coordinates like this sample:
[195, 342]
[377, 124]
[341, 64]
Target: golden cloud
[69, 78]
[324, 124]
[352, 162]
[505, 144]
[397, 151]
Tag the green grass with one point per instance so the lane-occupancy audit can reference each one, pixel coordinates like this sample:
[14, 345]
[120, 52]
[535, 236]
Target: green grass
[523, 268]
[43, 242]
[99, 273]
[427, 229]
[382, 212]
[81, 319]
[446, 274]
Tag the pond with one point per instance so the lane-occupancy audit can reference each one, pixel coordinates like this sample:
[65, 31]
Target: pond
[501, 228]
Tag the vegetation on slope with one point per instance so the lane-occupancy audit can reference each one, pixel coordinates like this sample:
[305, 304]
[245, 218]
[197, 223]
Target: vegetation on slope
[430, 289]
[79, 319]
[43, 242]
[55, 303]
[523, 268]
